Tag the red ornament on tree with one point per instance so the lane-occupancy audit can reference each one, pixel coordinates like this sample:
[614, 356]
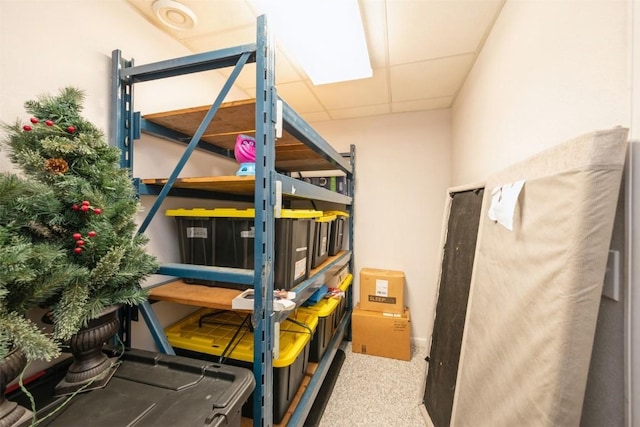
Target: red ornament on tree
[84, 208]
[48, 122]
[27, 128]
[80, 243]
[75, 207]
[71, 129]
[97, 211]
[92, 234]
[77, 250]
[86, 203]
[34, 120]
[77, 236]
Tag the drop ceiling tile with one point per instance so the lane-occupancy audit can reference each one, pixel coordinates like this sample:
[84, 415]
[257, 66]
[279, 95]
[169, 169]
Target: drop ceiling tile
[355, 93]
[420, 30]
[205, 42]
[429, 43]
[285, 73]
[422, 104]
[374, 18]
[299, 97]
[316, 117]
[221, 15]
[350, 113]
[429, 79]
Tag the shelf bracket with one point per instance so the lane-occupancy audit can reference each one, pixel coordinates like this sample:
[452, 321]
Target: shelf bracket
[277, 205]
[278, 119]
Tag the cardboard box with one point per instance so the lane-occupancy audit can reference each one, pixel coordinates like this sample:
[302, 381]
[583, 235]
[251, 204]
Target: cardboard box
[382, 290]
[335, 277]
[381, 334]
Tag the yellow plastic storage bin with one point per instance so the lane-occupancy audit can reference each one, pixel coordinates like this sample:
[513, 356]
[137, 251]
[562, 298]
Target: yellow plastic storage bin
[224, 237]
[329, 312]
[227, 337]
[321, 240]
[337, 231]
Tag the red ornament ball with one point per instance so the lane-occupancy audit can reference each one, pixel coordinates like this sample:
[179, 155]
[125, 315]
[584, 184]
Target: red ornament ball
[97, 211]
[26, 128]
[77, 236]
[75, 207]
[71, 129]
[84, 208]
[77, 250]
[48, 122]
[86, 203]
[34, 120]
[80, 243]
[92, 234]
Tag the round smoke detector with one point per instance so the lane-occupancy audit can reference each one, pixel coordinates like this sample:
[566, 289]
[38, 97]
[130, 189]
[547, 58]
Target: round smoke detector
[174, 15]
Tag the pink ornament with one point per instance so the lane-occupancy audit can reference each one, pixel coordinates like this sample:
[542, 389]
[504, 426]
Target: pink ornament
[245, 149]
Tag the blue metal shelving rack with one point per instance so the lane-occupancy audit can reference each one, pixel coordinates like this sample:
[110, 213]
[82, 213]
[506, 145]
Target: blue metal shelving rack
[126, 127]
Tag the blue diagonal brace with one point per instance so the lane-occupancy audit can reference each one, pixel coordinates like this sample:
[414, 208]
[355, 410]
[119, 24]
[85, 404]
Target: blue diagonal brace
[155, 329]
[194, 141]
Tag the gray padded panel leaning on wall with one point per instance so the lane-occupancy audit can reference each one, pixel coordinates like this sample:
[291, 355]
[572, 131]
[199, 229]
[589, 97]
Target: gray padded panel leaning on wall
[536, 289]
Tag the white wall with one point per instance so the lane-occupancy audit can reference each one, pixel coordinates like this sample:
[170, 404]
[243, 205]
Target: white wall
[402, 173]
[549, 71]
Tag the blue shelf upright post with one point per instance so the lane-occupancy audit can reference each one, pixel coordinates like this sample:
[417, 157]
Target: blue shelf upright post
[264, 227]
[123, 132]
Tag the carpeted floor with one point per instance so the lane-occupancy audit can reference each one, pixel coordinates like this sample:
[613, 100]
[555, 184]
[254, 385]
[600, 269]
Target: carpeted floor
[376, 391]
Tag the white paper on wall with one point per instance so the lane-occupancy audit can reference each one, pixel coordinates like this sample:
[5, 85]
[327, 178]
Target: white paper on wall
[503, 203]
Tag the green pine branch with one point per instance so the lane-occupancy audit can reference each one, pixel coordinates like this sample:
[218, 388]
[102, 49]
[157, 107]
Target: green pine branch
[73, 261]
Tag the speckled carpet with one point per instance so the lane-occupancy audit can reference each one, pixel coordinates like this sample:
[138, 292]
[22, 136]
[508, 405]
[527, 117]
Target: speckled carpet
[376, 391]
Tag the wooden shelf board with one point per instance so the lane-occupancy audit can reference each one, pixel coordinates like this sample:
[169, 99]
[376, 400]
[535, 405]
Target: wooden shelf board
[198, 295]
[238, 117]
[241, 185]
[181, 292]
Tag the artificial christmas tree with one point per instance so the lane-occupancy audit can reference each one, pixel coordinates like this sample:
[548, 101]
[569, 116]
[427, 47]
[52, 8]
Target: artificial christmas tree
[84, 219]
[32, 270]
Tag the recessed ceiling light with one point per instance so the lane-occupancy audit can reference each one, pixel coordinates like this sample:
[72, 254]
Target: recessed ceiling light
[174, 15]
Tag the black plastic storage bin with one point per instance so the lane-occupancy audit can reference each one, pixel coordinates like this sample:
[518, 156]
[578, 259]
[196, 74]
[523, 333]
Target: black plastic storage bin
[329, 312]
[337, 231]
[225, 337]
[148, 389]
[225, 238]
[321, 239]
[326, 310]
